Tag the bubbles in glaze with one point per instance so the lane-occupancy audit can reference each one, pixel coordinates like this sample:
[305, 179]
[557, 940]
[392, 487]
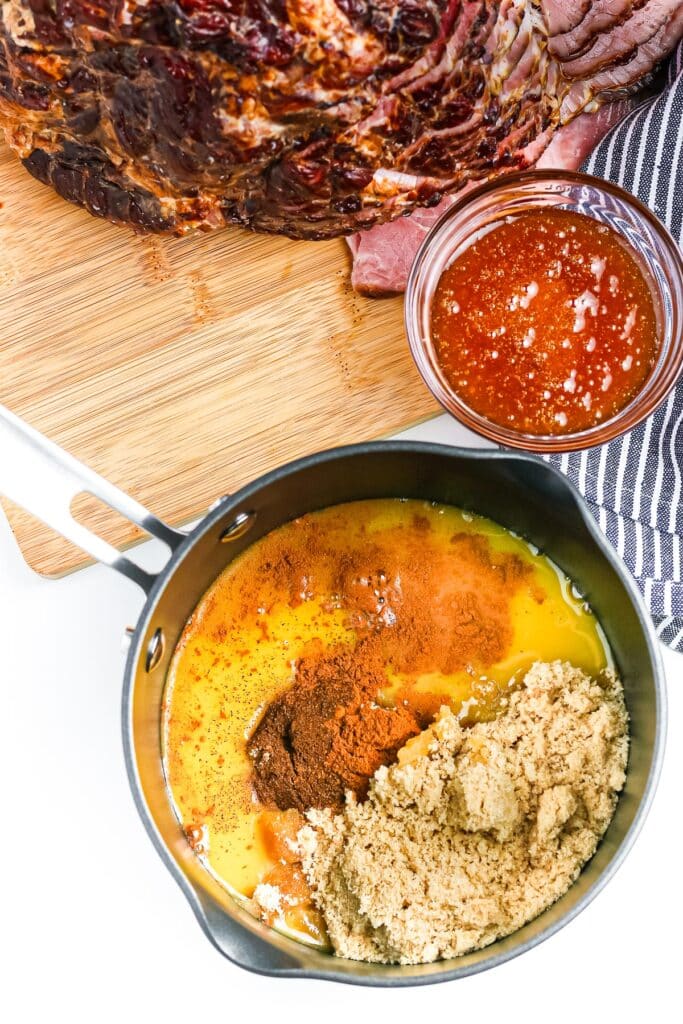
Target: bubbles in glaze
[546, 324]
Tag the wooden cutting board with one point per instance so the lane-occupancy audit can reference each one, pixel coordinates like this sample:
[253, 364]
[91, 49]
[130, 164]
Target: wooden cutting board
[182, 368]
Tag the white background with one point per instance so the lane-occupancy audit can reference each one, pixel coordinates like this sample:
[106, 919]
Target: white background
[95, 929]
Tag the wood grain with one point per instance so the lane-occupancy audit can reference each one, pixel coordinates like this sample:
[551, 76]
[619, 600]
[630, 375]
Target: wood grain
[181, 368]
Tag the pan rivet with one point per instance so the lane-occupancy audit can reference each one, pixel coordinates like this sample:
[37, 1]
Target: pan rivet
[238, 527]
[154, 651]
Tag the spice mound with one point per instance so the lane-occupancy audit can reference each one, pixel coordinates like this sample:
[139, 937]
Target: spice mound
[472, 832]
[326, 734]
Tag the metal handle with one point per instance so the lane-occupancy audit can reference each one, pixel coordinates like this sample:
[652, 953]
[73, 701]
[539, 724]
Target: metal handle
[43, 479]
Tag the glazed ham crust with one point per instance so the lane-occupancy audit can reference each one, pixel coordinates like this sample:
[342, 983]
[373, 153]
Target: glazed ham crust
[310, 118]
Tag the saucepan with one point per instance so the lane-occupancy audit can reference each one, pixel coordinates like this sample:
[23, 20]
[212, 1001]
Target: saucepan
[520, 491]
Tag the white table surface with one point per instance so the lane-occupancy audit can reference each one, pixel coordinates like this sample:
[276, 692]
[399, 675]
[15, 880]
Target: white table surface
[95, 929]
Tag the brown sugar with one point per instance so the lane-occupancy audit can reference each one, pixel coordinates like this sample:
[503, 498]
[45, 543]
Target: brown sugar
[476, 831]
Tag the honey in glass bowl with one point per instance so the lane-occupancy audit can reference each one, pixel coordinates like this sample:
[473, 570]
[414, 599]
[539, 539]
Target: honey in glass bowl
[544, 311]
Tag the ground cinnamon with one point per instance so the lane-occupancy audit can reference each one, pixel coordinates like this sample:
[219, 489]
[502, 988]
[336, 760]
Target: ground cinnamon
[326, 733]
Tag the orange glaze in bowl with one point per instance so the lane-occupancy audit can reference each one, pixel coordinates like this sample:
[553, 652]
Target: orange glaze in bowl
[546, 324]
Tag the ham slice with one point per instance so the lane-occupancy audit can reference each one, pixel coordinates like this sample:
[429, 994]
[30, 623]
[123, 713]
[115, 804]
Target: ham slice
[573, 143]
[564, 15]
[382, 257]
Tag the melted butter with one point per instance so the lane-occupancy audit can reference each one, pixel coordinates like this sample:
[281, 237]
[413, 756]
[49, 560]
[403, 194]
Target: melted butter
[239, 649]
[216, 691]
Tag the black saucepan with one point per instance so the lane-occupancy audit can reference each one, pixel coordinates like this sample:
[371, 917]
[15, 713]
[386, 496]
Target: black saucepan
[519, 491]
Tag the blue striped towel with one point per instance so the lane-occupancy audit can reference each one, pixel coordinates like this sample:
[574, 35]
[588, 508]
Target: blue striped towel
[634, 485]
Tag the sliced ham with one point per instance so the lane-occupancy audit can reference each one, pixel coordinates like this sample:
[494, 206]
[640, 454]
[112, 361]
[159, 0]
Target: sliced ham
[602, 15]
[310, 118]
[573, 143]
[623, 40]
[564, 15]
[614, 80]
[563, 83]
[382, 257]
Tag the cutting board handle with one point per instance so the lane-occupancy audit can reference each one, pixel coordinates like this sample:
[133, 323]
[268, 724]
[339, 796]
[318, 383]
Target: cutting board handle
[43, 479]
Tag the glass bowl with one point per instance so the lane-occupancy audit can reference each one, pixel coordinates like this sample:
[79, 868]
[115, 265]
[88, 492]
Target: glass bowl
[502, 200]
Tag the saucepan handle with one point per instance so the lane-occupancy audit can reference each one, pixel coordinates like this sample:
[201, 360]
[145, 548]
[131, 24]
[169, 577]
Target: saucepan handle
[43, 479]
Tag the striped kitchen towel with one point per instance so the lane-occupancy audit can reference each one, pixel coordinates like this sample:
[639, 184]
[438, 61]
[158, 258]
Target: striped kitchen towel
[634, 485]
